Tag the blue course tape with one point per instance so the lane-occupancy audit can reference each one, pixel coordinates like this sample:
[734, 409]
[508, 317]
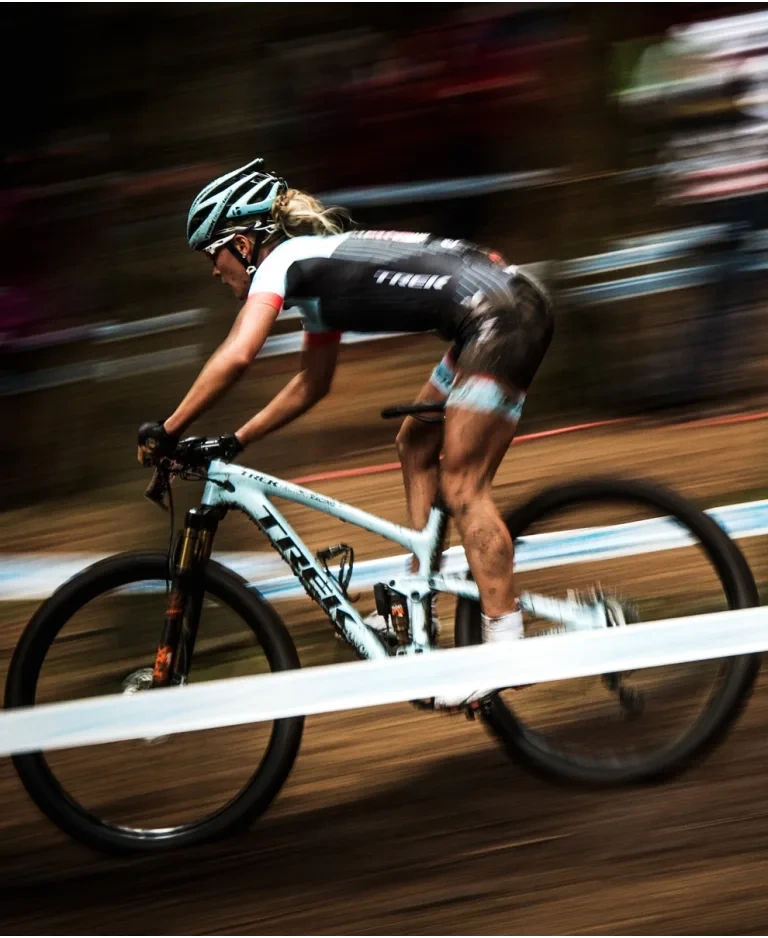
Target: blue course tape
[627, 257]
[27, 577]
[642, 286]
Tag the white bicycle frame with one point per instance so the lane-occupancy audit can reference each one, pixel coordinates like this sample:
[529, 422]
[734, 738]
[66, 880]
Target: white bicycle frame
[233, 486]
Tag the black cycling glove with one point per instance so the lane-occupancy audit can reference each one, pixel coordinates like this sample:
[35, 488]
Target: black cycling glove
[153, 437]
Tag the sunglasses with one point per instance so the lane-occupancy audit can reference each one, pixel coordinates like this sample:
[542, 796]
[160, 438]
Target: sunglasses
[212, 250]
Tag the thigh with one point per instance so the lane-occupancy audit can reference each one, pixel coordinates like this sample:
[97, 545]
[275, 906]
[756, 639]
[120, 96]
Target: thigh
[482, 410]
[497, 362]
[437, 389]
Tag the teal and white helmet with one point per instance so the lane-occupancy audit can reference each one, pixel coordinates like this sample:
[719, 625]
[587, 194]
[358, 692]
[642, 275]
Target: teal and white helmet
[239, 201]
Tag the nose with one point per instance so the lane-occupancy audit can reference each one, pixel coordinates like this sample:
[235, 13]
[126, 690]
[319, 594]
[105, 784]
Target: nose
[215, 272]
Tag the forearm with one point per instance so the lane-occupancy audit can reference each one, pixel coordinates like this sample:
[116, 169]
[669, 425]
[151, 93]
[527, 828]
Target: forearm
[295, 399]
[219, 374]
[227, 364]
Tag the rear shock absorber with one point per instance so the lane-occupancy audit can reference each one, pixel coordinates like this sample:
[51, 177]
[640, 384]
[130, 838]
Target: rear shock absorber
[393, 605]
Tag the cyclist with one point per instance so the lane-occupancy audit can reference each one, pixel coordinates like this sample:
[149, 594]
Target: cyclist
[272, 244]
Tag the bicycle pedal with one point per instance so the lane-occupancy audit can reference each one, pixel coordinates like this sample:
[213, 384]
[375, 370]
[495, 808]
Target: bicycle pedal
[468, 710]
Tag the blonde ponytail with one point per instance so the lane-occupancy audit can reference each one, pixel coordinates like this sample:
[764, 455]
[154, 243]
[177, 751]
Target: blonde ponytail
[298, 213]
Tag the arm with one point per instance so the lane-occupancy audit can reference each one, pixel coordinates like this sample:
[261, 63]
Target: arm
[311, 384]
[227, 364]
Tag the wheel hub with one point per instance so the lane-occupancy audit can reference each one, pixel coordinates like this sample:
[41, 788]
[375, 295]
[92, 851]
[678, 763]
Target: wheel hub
[137, 682]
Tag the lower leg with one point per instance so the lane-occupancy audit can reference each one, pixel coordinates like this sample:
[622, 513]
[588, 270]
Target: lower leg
[475, 443]
[420, 464]
[488, 548]
[418, 445]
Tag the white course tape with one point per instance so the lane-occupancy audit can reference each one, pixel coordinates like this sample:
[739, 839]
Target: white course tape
[25, 577]
[32, 577]
[390, 680]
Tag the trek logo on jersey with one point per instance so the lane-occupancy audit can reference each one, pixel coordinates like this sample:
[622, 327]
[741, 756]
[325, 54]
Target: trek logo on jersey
[415, 281]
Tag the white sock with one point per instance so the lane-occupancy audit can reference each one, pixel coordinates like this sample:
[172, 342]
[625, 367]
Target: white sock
[508, 627]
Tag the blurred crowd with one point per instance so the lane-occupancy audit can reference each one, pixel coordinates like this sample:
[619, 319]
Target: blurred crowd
[425, 96]
[700, 97]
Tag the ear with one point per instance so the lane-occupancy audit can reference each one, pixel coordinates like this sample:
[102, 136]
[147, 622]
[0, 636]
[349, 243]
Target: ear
[243, 244]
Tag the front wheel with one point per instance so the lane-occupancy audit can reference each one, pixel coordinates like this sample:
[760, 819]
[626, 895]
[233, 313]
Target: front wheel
[644, 725]
[97, 635]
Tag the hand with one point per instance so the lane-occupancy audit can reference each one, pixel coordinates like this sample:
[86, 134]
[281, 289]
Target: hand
[154, 442]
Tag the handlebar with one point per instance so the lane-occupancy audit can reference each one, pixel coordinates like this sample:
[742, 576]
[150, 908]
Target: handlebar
[193, 453]
[196, 452]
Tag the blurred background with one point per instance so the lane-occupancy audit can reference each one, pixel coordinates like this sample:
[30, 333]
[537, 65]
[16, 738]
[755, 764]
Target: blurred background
[623, 145]
[552, 132]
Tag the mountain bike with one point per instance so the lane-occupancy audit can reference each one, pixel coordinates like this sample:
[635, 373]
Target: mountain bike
[611, 730]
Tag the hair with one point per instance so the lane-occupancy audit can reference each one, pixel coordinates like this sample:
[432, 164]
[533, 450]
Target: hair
[298, 213]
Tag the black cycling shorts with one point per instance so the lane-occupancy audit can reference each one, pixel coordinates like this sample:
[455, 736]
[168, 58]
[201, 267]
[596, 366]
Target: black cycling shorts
[498, 351]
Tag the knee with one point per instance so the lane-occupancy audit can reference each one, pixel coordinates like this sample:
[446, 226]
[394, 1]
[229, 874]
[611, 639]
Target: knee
[418, 443]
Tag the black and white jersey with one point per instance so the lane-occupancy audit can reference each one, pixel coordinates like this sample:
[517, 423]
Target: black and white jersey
[381, 281]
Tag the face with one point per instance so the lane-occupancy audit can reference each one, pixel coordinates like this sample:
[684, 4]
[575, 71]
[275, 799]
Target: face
[228, 269]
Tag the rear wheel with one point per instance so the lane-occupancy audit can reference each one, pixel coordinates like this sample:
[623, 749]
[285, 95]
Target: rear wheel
[97, 635]
[647, 724]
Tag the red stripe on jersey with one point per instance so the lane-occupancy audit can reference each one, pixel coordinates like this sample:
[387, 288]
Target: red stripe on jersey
[269, 299]
[319, 339]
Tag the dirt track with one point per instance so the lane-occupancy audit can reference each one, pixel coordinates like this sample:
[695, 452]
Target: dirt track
[400, 822]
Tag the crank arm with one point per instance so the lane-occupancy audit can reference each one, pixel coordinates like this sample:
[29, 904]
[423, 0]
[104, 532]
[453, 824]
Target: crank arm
[573, 615]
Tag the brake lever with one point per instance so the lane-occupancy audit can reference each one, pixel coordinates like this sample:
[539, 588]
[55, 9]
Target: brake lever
[190, 460]
[159, 487]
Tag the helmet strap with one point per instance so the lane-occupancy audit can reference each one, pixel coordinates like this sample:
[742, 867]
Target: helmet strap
[235, 253]
[250, 267]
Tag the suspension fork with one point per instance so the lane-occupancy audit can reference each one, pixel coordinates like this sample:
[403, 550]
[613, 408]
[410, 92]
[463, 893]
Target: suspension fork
[185, 599]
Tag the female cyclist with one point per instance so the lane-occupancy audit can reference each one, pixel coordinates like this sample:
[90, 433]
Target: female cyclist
[272, 245]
